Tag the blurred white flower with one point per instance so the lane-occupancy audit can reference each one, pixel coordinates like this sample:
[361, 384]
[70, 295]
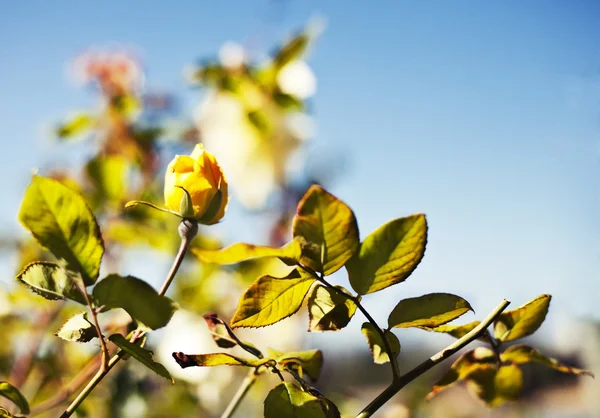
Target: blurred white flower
[232, 55]
[297, 79]
[228, 134]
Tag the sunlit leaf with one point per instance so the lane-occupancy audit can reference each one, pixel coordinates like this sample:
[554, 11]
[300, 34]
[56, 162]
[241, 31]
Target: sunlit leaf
[291, 51]
[376, 344]
[288, 101]
[78, 329]
[478, 360]
[309, 362]
[521, 322]
[51, 281]
[428, 310]
[287, 400]
[328, 310]
[140, 354]
[137, 297]
[75, 126]
[388, 255]
[520, 354]
[269, 300]
[218, 359]
[241, 252]
[109, 176]
[496, 386]
[12, 393]
[457, 331]
[329, 230]
[60, 220]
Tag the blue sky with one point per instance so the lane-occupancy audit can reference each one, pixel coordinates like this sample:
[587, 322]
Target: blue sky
[483, 115]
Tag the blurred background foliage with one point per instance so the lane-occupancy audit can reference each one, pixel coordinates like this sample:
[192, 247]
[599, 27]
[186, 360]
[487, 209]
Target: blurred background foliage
[256, 116]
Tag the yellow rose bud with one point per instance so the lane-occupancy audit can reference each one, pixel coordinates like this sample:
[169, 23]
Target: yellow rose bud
[201, 176]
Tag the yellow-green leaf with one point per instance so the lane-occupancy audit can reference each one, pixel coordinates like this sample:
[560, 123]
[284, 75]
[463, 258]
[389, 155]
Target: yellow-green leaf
[328, 228]
[376, 344]
[78, 329]
[291, 51]
[51, 281]
[523, 321]
[457, 331]
[309, 362]
[109, 176]
[140, 354]
[270, 299]
[328, 310]
[241, 252]
[428, 310]
[496, 386]
[12, 393]
[60, 220]
[479, 360]
[287, 400]
[137, 298]
[388, 255]
[520, 354]
[217, 359]
[75, 126]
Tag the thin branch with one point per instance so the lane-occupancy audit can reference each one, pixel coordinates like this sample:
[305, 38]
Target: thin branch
[187, 231]
[437, 358]
[241, 393]
[380, 332]
[94, 314]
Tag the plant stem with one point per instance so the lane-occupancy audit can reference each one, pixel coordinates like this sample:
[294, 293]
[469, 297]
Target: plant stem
[240, 394]
[386, 344]
[187, 231]
[103, 348]
[437, 358]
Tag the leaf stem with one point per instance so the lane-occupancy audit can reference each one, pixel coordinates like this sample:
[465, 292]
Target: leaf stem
[187, 231]
[393, 359]
[241, 393]
[437, 358]
[103, 348]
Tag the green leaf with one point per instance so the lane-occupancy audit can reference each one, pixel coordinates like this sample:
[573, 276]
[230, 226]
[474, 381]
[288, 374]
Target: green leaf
[520, 354]
[61, 221]
[496, 386]
[376, 345]
[329, 231]
[140, 354]
[77, 125]
[51, 281]
[457, 331]
[523, 321]
[287, 400]
[78, 329]
[428, 310]
[109, 176]
[328, 310]
[270, 299]
[288, 101]
[137, 297]
[291, 51]
[309, 362]
[388, 255]
[241, 252]
[12, 393]
[218, 359]
[475, 361]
